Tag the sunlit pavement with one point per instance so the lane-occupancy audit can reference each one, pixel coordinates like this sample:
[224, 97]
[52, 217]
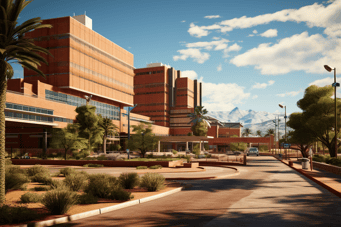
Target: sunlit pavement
[265, 193]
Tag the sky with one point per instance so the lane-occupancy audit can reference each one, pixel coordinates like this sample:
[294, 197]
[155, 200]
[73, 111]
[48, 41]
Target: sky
[248, 54]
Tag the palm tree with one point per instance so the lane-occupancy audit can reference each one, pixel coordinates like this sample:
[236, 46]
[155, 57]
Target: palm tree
[109, 130]
[15, 48]
[247, 132]
[259, 133]
[199, 120]
[270, 132]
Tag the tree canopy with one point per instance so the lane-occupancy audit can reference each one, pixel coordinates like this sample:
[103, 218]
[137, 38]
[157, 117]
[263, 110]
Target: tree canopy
[109, 129]
[247, 132]
[199, 121]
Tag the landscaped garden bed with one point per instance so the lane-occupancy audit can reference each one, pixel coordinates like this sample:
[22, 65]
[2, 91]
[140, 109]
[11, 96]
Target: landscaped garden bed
[71, 192]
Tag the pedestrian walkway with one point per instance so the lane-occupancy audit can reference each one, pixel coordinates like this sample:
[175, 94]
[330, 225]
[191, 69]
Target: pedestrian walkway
[330, 179]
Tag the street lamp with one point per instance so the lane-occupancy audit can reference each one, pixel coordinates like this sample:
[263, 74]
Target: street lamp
[285, 117]
[334, 85]
[128, 114]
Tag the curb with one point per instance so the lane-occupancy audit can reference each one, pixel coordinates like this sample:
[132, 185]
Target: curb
[208, 178]
[97, 211]
[330, 189]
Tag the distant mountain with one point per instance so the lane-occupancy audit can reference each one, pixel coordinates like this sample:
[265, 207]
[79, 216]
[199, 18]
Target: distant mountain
[254, 120]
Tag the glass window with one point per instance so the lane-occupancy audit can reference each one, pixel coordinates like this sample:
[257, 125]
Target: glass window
[50, 112]
[50, 119]
[38, 110]
[25, 108]
[17, 107]
[25, 116]
[18, 115]
[9, 105]
[44, 111]
[32, 109]
[32, 117]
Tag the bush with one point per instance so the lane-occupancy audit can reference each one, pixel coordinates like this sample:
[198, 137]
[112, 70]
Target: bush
[93, 165]
[42, 178]
[58, 184]
[67, 171]
[141, 167]
[101, 158]
[208, 155]
[188, 158]
[318, 158]
[118, 193]
[100, 185]
[150, 155]
[12, 169]
[334, 161]
[59, 201]
[87, 199]
[37, 169]
[8, 162]
[129, 180]
[90, 158]
[18, 214]
[30, 198]
[75, 181]
[155, 167]
[174, 152]
[152, 181]
[41, 188]
[15, 181]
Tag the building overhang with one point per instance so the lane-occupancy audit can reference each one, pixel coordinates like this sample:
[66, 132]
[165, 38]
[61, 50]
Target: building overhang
[185, 138]
[30, 122]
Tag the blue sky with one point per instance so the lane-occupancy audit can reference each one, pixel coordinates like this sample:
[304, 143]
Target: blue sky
[248, 54]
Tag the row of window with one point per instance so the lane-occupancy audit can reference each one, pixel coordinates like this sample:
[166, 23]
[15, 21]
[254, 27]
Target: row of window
[149, 93]
[36, 118]
[106, 110]
[148, 73]
[151, 85]
[28, 108]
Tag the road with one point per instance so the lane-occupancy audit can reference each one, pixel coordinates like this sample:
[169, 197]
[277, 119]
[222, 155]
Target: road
[265, 193]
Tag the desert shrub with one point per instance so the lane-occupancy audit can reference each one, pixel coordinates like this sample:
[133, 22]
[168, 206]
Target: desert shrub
[37, 169]
[75, 181]
[118, 193]
[129, 180]
[58, 184]
[59, 201]
[93, 165]
[8, 162]
[87, 199]
[30, 198]
[155, 167]
[67, 171]
[23, 187]
[174, 151]
[150, 155]
[101, 158]
[12, 169]
[152, 181]
[15, 180]
[84, 173]
[141, 167]
[42, 178]
[17, 214]
[334, 161]
[100, 185]
[41, 188]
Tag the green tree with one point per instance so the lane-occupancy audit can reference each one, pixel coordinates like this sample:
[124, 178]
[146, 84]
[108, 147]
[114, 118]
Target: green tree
[247, 132]
[199, 121]
[259, 133]
[144, 139]
[109, 129]
[15, 48]
[269, 132]
[89, 128]
[317, 117]
[67, 138]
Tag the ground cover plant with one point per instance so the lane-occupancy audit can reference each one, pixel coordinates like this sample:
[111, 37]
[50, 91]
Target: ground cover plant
[129, 180]
[152, 181]
[93, 165]
[155, 167]
[142, 167]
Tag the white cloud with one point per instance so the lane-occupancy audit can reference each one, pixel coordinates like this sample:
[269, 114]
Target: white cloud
[219, 68]
[315, 15]
[269, 33]
[183, 21]
[255, 96]
[291, 93]
[234, 47]
[212, 17]
[218, 44]
[325, 81]
[192, 53]
[215, 38]
[295, 53]
[251, 35]
[198, 32]
[254, 32]
[219, 96]
[263, 85]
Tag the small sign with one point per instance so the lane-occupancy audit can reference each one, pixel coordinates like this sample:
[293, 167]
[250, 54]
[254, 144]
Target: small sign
[286, 145]
[127, 150]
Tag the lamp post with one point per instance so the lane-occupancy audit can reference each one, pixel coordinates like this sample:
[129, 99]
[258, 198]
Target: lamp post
[334, 85]
[275, 133]
[285, 118]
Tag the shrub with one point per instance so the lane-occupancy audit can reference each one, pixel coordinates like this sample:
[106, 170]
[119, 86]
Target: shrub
[8, 162]
[169, 155]
[174, 151]
[208, 155]
[129, 180]
[118, 193]
[84, 173]
[58, 184]
[41, 188]
[150, 155]
[155, 167]
[90, 158]
[12, 169]
[15, 181]
[334, 161]
[152, 181]
[100, 185]
[59, 201]
[101, 158]
[141, 167]
[18, 214]
[93, 165]
[42, 178]
[318, 158]
[75, 181]
[87, 199]
[188, 158]
[67, 171]
[30, 198]
[37, 169]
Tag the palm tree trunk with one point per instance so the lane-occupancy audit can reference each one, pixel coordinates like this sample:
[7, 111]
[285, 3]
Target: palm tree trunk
[3, 87]
[105, 145]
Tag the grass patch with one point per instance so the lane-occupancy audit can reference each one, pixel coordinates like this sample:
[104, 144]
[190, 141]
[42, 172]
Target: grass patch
[142, 167]
[93, 165]
[155, 167]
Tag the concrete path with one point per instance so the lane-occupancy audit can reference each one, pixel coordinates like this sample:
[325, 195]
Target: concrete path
[265, 193]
